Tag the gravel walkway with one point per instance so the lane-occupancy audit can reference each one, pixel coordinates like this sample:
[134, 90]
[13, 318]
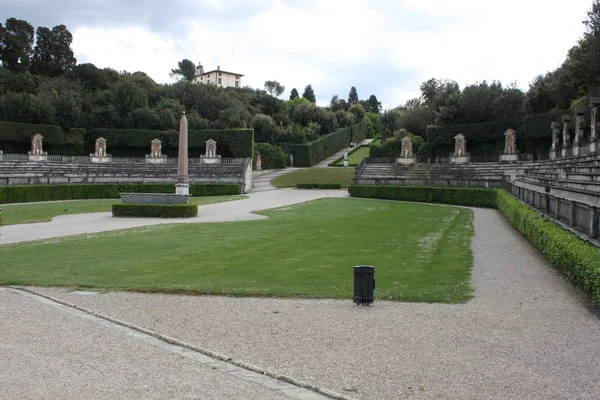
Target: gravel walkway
[527, 334]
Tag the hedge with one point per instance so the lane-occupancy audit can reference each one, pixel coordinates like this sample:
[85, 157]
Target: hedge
[29, 193]
[17, 132]
[578, 260]
[456, 196]
[533, 135]
[309, 154]
[155, 210]
[239, 142]
[318, 186]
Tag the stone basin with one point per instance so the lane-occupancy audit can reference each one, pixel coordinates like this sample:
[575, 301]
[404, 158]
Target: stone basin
[154, 198]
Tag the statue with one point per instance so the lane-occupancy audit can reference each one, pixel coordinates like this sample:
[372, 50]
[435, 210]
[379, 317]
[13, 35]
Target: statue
[291, 159]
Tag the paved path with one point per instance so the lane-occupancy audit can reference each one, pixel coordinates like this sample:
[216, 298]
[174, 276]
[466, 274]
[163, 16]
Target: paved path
[527, 334]
[262, 182]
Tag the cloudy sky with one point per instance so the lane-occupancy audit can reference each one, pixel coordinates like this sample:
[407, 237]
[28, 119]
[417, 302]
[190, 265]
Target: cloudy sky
[383, 47]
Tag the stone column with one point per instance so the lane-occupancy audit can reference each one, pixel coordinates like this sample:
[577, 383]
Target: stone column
[554, 151]
[566, 146]
[579, 131]
[595, 103]
[594, 222]
[182, 187]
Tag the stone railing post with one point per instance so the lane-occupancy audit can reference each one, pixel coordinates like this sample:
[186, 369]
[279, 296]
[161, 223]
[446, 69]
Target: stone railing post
[579, 131]
[554, 151]
[595, 103]
[566, 137]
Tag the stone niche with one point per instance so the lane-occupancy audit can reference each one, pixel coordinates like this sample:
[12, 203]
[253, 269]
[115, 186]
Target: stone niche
[156, 156]
[210, 155]
[99, 155]
[460, 155]
[37, 152]
[510, 147]
[407, 156]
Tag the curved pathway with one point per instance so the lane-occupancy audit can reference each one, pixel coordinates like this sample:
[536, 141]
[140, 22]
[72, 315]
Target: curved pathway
[527, 333]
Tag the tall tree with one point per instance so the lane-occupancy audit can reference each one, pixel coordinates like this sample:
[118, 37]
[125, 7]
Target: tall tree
[17, 45]
[352, 96]
[186, 70]
[337, 104]
[374, 105]
[309, 94]
[42, 53]
[274, 88]
[294, 94]
[62, 55]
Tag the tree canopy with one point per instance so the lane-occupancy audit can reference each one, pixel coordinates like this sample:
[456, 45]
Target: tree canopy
[186, 70]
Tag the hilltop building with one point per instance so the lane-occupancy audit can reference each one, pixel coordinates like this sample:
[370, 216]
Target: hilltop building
[218, 77]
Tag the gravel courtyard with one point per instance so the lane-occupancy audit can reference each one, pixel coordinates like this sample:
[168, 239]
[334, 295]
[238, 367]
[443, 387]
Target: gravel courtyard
[527, 334]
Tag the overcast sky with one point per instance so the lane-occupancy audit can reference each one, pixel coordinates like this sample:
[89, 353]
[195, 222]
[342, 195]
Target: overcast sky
[383, 47]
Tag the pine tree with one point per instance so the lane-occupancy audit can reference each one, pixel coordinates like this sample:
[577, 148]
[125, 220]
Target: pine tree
[309, 94]
[294, 94]
[352, 96]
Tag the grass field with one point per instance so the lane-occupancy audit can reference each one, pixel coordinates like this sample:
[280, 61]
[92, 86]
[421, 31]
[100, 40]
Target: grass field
[420, 252]
[41, 212]
[355, 157]
[342, 176]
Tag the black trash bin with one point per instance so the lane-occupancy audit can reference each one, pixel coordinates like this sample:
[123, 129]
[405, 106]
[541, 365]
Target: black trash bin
[364, 284]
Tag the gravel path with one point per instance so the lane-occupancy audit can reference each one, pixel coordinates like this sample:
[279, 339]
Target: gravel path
[527, 334]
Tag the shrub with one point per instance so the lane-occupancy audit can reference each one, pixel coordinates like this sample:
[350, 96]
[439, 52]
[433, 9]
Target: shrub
[17, 132]
[272, 156]
[155, 210]
[307, 185]
[29, 193]
[318, 186]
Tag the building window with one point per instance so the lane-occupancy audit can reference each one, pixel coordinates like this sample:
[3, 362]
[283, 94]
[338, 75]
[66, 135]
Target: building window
[219, 74]
[237, 84]
[201, 77]
[219, 81]
[237, 77]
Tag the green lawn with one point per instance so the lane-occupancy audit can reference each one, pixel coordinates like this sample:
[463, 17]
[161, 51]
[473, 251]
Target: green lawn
[342, 176]
[356, 157]
[41, 212]
[421, 253]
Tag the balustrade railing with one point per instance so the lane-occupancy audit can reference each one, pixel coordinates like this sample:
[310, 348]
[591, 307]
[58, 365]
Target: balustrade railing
[121, 160]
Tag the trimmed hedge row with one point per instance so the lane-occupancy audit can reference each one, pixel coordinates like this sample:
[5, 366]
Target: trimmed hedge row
[155, 210]
[577, 260]
[240, 142]
[309, 154]
[17, 132]
[455, 196]
[318, 186]
[271, 155]
[29, 193]
[533, 134]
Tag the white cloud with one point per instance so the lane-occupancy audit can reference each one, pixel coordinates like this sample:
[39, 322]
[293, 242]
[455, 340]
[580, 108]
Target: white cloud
[335, 44]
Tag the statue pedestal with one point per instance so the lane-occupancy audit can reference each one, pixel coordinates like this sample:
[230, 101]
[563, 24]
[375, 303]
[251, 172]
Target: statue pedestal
[99, 160]
[564, 153]
[38, 157]
[459, 160]
[206, 160]
[346, 163]
[593, 147]
[406, 160]
[509, 158]
[553, 155]
[157, 160]
[575, 151]
[182, 189]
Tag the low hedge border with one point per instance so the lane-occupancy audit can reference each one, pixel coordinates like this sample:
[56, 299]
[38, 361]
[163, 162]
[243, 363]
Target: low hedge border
[31, 193]
[318, 186]
[155, 210]
[577, 260]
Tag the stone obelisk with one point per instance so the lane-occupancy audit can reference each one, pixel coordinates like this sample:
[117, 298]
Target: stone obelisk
[182, 187]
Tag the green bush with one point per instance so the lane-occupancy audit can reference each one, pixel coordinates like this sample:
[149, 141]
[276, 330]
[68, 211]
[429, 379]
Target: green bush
[456, 196]
[272, 156]
[578, 260]
[155, 210]
[17, 132]
[29, 193]
[329, 186]
[307, 185]
[309, 154]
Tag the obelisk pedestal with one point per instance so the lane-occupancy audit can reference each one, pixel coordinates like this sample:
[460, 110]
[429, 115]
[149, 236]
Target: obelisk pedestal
[182, 187]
